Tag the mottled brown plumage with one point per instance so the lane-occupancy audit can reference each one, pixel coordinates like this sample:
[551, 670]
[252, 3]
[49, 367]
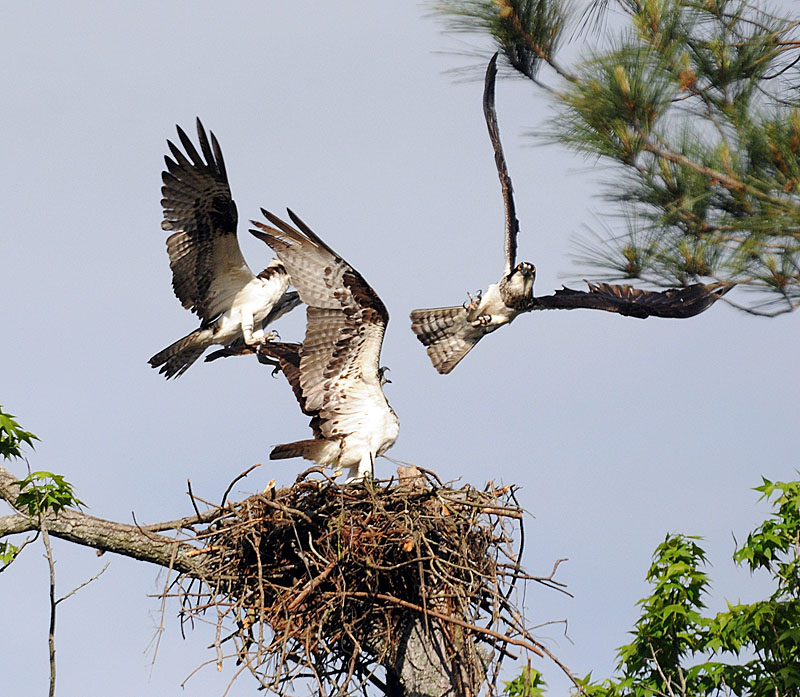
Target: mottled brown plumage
[335, 373]
[673, 303]
[204, 253]
[209, 274]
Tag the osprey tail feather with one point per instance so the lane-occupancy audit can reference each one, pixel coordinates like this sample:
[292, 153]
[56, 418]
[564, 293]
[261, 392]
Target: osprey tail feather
[446, 333]
[175, 360]
[321, 451]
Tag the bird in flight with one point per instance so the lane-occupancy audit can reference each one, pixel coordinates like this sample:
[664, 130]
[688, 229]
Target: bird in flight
[449, 333]
[209, 273]
[335, 373]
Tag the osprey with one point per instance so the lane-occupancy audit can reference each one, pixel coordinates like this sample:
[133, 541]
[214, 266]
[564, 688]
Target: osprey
[209, 273]
[335, 373]
[450, 332]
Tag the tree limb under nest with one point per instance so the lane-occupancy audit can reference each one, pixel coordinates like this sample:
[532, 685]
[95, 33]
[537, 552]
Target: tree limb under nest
[297, 544]
[104, 535]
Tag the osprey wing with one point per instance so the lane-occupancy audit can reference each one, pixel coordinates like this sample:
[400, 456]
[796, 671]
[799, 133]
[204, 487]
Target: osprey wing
[512, 224]
[626, 300]
[208, 268]
[288, 357]
[346, 322]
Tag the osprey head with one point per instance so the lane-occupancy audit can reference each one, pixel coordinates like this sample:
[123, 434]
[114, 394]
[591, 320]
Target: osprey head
[525, 268]
[521, 279]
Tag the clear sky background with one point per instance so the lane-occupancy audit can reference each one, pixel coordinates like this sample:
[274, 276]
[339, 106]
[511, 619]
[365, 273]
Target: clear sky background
[617, 430]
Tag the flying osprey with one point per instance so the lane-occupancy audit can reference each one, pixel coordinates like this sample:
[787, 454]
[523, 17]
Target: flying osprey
[209, 273]
[335, 373]
[450, 332]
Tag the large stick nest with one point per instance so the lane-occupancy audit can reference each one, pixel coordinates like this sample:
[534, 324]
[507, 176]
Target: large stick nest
[317, 581]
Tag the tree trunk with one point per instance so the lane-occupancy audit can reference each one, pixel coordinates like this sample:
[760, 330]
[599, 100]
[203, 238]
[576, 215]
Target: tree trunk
[420, 666]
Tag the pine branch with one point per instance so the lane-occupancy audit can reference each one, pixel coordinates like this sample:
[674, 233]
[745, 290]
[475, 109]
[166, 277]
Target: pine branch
[727, 181]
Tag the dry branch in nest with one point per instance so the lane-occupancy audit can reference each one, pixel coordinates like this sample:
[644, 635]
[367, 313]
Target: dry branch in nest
[320, 581]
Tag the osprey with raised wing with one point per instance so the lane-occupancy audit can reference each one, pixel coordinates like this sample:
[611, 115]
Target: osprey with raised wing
[209, 273]
[449, 333]
[335, 374]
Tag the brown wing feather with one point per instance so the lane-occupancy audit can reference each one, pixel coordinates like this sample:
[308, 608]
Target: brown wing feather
[346, 319]
[320, 275]
[288, 357]
[207, 264]
[489, 112]
[626, 300]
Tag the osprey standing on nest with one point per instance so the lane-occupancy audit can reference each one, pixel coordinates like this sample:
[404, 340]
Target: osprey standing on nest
[209, 273]
[335, 373]
[451, 332]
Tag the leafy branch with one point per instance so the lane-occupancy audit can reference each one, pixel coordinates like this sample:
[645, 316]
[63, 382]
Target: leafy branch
[12, 436]
[748, 649]
[41, 492]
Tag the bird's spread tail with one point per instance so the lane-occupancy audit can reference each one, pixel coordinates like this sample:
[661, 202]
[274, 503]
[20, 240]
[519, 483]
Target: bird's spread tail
[175, 360]
[445, 331]
[321, 451]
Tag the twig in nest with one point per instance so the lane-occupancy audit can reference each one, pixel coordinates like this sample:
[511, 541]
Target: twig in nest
[535, 647]
[236, 479]
[191, 497]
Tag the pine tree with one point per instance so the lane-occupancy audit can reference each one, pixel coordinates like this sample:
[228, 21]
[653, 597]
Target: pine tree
[696, 103]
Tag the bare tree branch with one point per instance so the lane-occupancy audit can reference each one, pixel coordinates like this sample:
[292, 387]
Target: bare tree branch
[104, 535]
[51, 632]
[83, 584]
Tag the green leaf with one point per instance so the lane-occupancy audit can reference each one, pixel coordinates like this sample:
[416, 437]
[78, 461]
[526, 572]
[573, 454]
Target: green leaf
[529, 683]
[41, 492]
[12, 436]
[8, 552]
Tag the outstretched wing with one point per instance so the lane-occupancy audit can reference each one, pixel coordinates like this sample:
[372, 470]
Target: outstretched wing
[208, 268]
[345, 327]
[288, 357]
[512, 224]
[674, 303]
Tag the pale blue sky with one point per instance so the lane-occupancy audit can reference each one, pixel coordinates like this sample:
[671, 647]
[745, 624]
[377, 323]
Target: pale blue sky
[617, 430]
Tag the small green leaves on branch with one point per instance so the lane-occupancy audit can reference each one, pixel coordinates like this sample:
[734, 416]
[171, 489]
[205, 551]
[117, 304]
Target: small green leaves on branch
[528, 684]
[670, 624]
[41, 492]
[748, 649]
[775, 544]
[8, 553]
[12, 436]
